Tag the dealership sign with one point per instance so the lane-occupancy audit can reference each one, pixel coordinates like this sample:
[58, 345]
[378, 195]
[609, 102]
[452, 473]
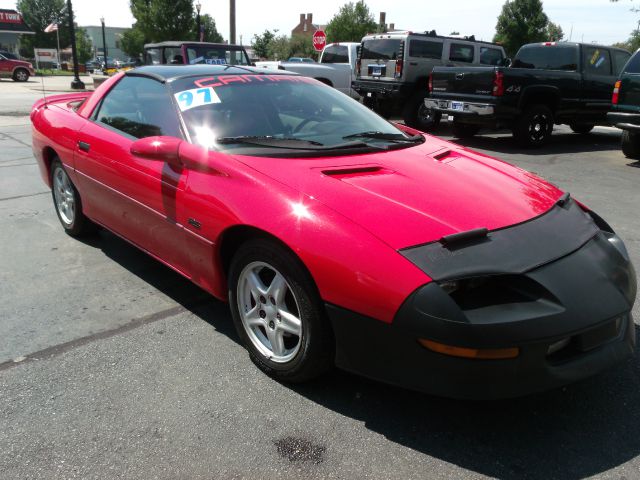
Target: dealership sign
[43, 55]
[10, 17]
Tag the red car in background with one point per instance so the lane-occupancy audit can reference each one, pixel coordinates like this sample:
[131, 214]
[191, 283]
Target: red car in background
[338, 237]
[18, 70]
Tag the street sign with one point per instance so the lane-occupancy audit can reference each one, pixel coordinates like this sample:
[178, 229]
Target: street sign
[319, 40]
[47, 55]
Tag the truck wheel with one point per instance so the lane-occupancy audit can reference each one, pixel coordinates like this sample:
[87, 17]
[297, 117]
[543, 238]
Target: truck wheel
[464, 130]
[631, 145]
[582, 128]
[533, 128]
[416, 115]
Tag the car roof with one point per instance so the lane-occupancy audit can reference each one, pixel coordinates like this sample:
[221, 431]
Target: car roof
[185, 42]
[168, 73]
[576, 44]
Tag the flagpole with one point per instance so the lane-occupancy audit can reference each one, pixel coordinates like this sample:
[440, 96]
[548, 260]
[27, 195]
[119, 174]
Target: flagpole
[58, 51]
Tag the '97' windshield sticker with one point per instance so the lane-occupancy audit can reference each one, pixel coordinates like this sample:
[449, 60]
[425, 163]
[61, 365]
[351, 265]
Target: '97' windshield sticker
[196, 97]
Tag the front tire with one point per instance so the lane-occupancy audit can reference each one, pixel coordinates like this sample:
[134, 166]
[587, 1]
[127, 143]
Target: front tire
[533, 128]
[20, 75]
[67, 203]
[631, 145]
[278, 313]
[416, 115]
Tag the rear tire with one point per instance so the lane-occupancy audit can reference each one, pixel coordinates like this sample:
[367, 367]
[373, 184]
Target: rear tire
[278, 313]
[416, 115]
[581, 128]
[631, 145]
[21, 75]
[67, 203]
[533, 128]
[464, 130]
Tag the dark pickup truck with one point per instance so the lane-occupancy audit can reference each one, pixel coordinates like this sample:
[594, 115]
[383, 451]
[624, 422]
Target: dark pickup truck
[547, 83]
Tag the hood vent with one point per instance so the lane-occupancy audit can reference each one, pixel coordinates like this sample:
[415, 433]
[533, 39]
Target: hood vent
[359, 171]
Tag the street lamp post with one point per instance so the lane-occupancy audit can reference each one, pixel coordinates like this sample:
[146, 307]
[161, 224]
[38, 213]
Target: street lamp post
[199, 35]
[76, 83]
[104, 45]
[232, 21]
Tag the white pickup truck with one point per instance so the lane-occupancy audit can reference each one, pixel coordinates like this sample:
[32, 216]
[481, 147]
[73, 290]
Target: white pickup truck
[336, 66]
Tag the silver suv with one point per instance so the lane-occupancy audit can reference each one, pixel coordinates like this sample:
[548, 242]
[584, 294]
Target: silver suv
[392, 71]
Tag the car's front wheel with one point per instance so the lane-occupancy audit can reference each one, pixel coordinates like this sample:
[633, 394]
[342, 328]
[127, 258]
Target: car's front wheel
[278, 313]
[67, 202]
[21, 75]
[631, 145]
[582, 128]
[464, 130]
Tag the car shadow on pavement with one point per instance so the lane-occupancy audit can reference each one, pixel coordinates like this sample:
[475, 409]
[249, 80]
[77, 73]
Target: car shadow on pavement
[167, 281]
[578, 431]
[559, 143]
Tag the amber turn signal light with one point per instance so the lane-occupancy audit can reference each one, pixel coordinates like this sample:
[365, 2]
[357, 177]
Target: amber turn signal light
[477, 353]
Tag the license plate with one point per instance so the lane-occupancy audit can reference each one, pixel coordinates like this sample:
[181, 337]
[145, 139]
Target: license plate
[457, 106]
[376, 70]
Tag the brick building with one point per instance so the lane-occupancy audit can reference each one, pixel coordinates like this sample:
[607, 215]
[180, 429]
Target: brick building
[306, 27]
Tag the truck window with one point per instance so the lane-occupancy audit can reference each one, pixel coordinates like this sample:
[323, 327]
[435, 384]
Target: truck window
[461, 52]
[596, 60]
[556, 57]
[425, 49]
[153, 56]
[173, 55]
[381, 49]
[216, 55]
[335, 54]
[620, 58]
[490, 56]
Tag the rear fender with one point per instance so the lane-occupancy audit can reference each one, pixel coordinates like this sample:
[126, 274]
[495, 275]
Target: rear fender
[540, 95]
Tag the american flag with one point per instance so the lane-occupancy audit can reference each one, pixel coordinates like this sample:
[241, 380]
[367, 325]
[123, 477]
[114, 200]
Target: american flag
[52, 27]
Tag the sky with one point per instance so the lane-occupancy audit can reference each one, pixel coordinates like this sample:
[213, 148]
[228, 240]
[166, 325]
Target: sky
[586, 20]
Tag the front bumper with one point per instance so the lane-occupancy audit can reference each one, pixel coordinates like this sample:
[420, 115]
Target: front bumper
[569, 318]
[470, 108]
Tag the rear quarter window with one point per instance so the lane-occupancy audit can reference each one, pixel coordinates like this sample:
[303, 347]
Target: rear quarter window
[425, 49]
[490, 56]
[596, 60]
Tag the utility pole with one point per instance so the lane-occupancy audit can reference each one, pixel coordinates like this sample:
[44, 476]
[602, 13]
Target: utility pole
[232, 21]
[76, 83]
[104, 45]
[199, 38]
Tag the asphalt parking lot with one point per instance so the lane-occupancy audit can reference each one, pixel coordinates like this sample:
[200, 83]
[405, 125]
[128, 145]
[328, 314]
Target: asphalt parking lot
[113, 366]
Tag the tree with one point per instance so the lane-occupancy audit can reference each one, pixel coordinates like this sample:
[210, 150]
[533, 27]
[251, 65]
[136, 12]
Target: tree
[554, 32]
[632, 43]
[521, 22]
[211, 33]
[84, 47]
[38, 14]
[260, 43]
[351, 23]
[132, 42]
[160, 20]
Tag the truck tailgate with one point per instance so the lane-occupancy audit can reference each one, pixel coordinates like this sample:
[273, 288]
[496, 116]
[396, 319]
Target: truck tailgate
[463, 80]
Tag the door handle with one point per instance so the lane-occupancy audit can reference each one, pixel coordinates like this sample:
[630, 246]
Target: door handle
[84, 146]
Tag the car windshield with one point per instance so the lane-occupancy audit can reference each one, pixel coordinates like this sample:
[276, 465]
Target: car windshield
[9, 55]
[280, 112]
[216, 55]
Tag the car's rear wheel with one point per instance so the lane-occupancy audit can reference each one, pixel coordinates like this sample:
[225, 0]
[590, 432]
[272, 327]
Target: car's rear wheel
[464, 130]
[278, 313]
[416, 115]
[631, 145]
[582, 128]
[21, 75]
[67, 202]
[533, 128]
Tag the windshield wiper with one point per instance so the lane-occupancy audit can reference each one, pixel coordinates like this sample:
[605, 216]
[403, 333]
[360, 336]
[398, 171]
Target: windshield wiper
[377, 135]
[287, 142]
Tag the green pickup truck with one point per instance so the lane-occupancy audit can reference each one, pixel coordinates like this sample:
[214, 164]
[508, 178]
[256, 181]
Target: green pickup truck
[546, 84]
[625, 113]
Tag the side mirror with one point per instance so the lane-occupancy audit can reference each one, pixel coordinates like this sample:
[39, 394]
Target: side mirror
[506, 62]
[165, 149]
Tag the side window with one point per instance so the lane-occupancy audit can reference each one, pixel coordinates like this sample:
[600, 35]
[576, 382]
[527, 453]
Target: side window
[425, 49]
[490, 56]
[335, 54]
[461, 52]
[139, 107]
[620, 58]
[173, 55]
[596, 60]
[153, 56]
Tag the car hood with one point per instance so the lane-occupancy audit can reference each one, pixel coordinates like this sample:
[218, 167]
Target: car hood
[21, 63]
[416, 195]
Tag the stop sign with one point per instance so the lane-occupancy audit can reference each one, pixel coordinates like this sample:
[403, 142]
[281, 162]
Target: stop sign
[319, 40]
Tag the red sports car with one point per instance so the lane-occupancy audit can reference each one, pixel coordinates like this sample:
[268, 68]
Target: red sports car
[339, 238]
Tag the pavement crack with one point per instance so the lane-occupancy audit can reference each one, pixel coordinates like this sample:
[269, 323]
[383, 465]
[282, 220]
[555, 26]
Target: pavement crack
[61, 348]
[7, 136]
[24, 196]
